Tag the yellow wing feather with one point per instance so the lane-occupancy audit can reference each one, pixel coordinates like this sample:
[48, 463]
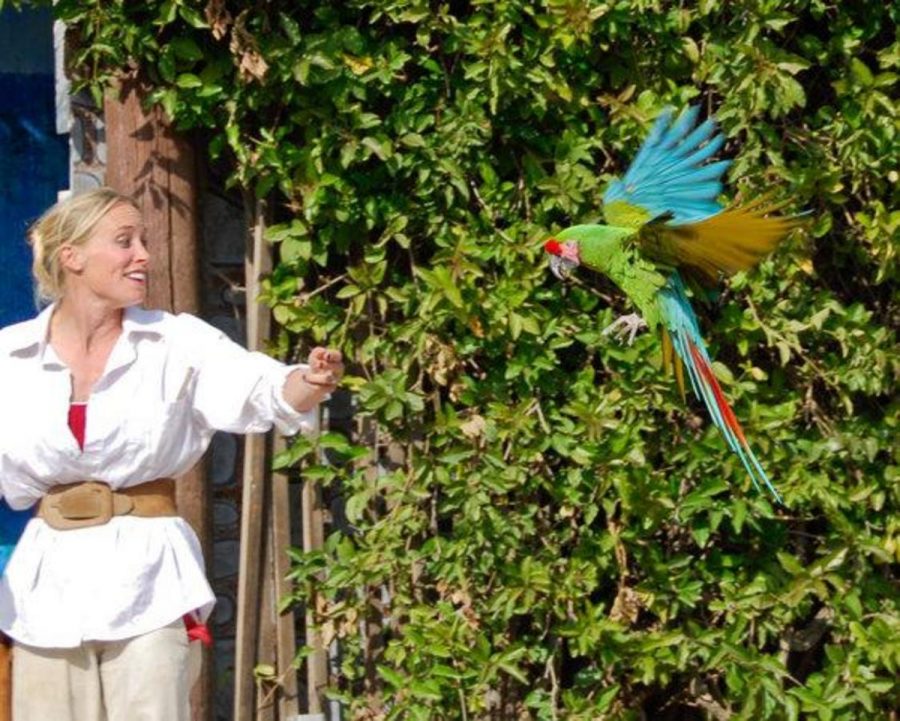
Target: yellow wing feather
[735, 239]
[671, 360]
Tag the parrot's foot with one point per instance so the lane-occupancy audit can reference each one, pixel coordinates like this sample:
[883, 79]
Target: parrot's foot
[626, 325]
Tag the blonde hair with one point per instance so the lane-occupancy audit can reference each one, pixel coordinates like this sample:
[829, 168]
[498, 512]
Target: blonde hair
[68, 222]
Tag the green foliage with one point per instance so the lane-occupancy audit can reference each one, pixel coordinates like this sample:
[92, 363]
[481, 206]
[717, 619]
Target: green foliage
[562, 537]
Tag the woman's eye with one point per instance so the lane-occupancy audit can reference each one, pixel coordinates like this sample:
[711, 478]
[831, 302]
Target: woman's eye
[124, 241]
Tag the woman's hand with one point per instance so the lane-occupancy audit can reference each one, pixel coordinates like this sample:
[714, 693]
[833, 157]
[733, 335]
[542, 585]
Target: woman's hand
[304, 389]
[326, 368]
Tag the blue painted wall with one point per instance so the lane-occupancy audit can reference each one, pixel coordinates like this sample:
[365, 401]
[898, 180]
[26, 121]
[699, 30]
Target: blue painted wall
[33, 158]
[33, 168]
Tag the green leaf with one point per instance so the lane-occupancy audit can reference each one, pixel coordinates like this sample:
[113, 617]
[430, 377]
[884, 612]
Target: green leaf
[186, 48]
[188, 80]
[191, 17]
[381, 148]
[860, 72]
[413, 140]
[391, 676]
[513, 671]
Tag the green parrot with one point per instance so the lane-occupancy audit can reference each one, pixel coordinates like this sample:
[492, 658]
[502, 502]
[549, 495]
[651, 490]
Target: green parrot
[665, 226]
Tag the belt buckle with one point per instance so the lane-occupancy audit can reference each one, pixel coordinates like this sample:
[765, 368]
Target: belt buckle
[86, 504]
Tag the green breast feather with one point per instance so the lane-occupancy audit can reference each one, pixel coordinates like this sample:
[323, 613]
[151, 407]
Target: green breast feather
[610, 250]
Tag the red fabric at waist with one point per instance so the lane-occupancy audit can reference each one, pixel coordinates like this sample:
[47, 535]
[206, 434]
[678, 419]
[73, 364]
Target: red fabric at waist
[197, 631]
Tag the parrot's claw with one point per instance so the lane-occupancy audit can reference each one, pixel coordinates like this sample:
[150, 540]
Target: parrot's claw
[626, 325]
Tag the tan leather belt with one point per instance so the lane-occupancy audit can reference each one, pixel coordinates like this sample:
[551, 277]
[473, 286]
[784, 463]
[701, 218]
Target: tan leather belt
[92, 503]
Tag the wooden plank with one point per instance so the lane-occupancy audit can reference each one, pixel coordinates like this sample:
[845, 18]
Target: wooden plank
[266, 693]
[313, 539]
[249, 577]
[184, 246]
[150, 162]
[253, 495]
[252, 505]
[141, 147]
[286, 638]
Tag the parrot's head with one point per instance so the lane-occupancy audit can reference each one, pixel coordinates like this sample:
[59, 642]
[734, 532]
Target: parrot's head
[564, 256]
[596, 247]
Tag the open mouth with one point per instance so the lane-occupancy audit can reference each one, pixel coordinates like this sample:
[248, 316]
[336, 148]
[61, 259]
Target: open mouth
[137, 276]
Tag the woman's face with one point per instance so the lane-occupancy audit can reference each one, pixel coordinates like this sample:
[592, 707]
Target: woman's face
[113, 262]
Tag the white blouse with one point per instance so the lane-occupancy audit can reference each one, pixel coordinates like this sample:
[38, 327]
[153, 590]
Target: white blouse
[169, 384]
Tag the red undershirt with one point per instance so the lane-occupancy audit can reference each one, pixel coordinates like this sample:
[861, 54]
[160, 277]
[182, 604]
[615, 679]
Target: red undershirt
[77, 418]
[196, 631]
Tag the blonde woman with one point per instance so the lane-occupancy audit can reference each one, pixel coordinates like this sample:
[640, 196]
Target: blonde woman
[103, 404]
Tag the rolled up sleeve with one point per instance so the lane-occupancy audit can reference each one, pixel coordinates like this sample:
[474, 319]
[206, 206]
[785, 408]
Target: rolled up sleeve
[287, 419]
[237, 390]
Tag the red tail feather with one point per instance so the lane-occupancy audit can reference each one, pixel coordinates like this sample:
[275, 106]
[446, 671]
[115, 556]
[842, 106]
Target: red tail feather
[727, 413]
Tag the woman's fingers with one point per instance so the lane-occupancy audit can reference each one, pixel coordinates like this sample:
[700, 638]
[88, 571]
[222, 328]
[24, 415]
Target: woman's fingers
[325, 367]
[323, 360]
[325, 378]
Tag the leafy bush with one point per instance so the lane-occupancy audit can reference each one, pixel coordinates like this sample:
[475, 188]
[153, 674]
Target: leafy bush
[537, 525]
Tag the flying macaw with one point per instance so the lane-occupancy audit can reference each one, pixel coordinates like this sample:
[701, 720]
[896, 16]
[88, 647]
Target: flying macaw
[665, 226]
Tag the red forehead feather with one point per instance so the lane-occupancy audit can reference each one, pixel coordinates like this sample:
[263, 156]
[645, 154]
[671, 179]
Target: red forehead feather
[553, 246]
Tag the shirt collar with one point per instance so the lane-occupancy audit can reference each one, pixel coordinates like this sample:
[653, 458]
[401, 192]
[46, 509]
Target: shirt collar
[29, 338]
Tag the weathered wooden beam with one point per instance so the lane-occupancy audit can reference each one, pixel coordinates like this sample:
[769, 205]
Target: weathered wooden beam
[266, 704]
[286, 638]
[313, 539]
[152, 163]
[253, 493]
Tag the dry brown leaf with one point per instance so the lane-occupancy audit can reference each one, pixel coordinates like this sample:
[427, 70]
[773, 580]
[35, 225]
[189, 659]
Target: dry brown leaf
[218, 17]
[626, 607]
[474, 427]
[251, 65]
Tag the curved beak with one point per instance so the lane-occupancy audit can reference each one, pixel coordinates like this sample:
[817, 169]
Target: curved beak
[561, 267]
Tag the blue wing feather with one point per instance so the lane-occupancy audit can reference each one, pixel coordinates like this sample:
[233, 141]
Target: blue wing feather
[702, 132]
[680, 166]
[698, 193]
[713, 171]
[669, 174]
[646, 150]
[681, 126]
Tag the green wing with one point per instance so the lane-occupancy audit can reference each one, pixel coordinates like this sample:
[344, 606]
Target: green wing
[625, 215]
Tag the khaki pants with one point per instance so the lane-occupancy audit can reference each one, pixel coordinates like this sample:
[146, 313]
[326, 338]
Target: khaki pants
[146, 678]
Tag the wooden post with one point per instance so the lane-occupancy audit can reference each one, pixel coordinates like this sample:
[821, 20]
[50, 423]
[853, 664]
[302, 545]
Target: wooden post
[253, 496]
[285, 638]
[150, 162]
[263, 634]
[156, 167]
[266, 705]
[314, 539]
